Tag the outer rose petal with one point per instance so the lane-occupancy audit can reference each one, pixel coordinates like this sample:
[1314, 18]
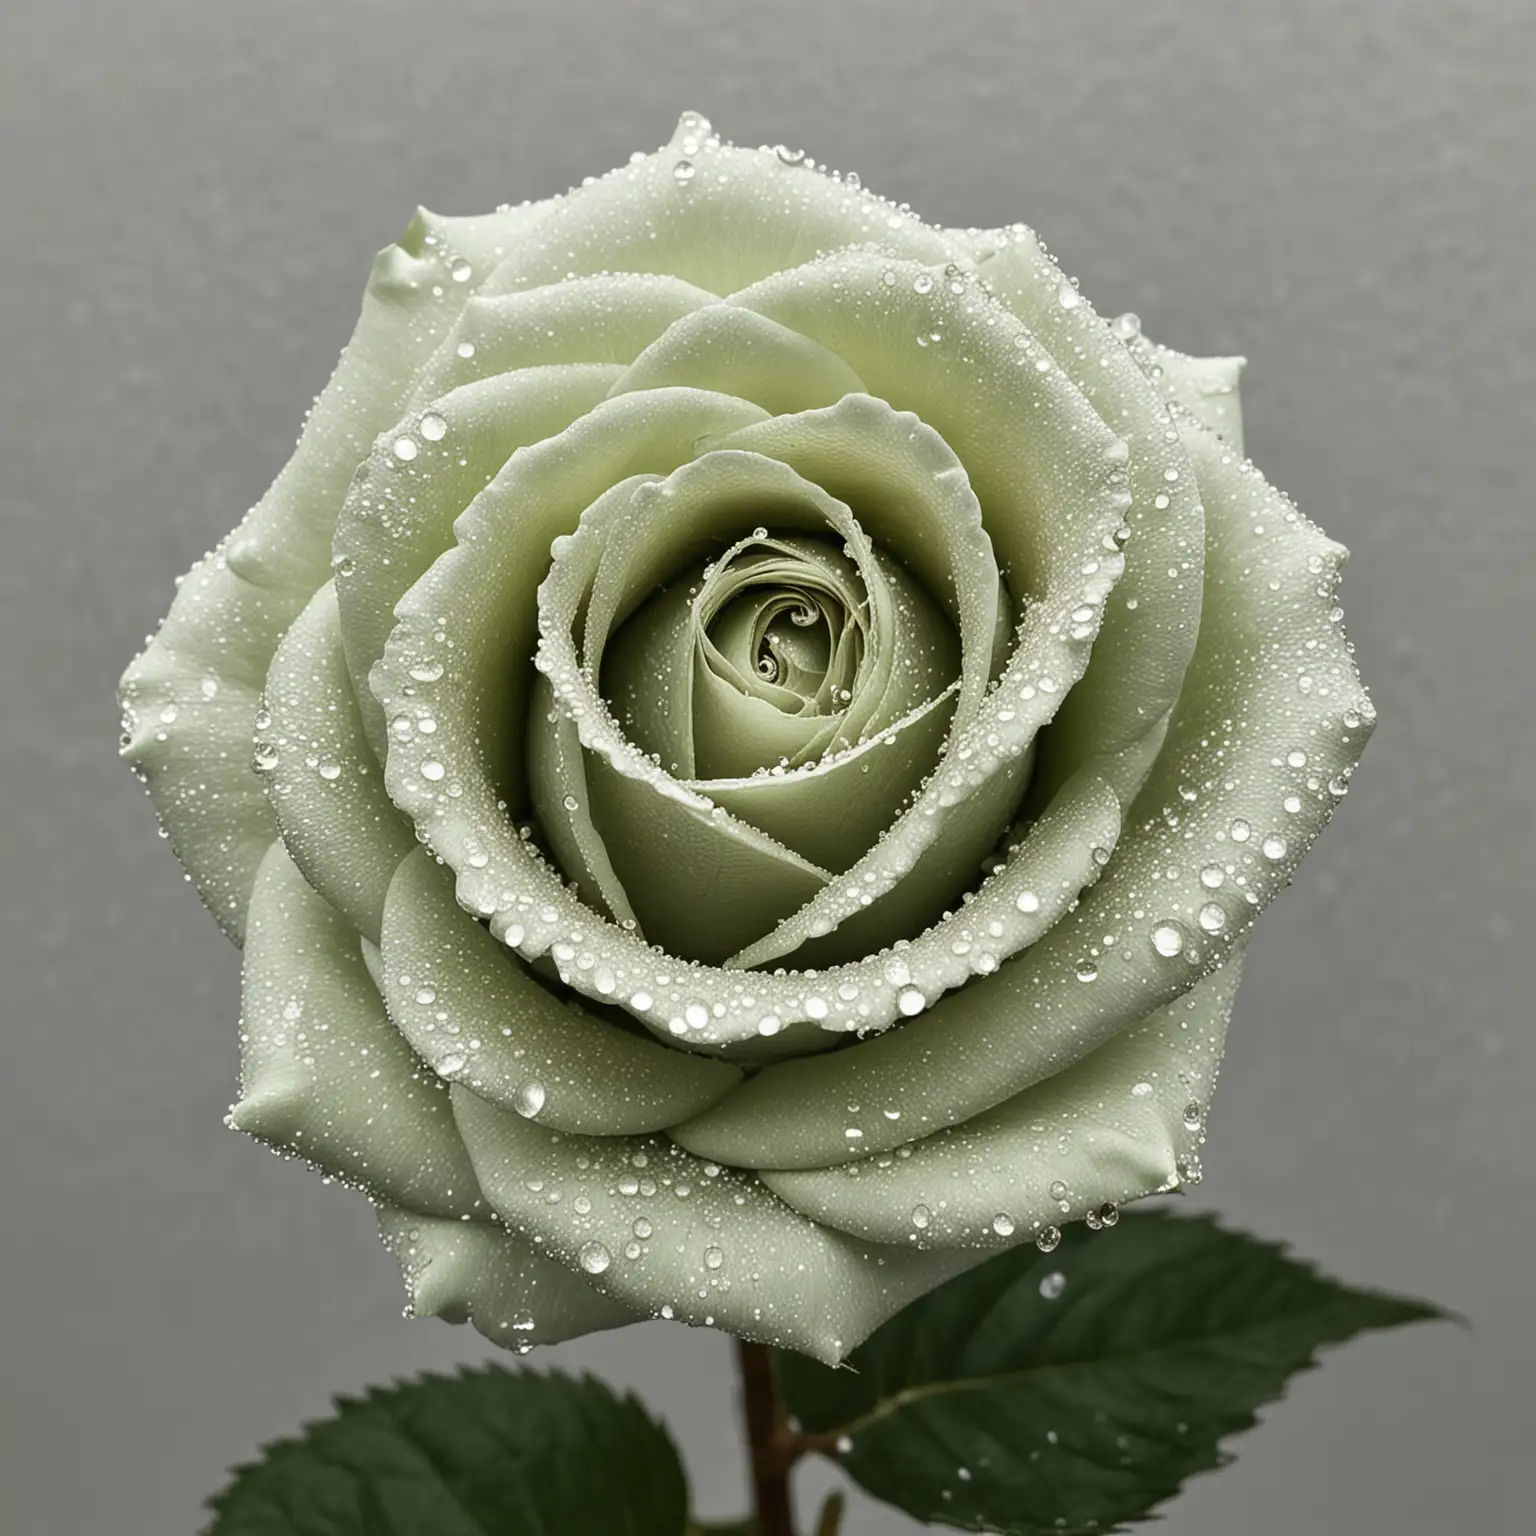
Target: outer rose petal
[326, 786]
[668, 1234]
[466, 1272]
[324, 1074]
[191, 698]
[1206, 387]
[1114, 719]
[1123, 1123]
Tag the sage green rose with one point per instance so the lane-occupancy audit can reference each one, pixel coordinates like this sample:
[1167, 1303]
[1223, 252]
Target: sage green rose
[743, 750]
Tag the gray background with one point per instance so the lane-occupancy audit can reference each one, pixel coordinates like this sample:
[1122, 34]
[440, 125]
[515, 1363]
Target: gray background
[191, 193]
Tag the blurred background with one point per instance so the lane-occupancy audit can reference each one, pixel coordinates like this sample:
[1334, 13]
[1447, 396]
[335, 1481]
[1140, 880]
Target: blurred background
[193, 193]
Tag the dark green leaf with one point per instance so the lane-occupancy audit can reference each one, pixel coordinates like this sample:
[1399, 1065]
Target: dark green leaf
[483, 1453]
[1064, 1394]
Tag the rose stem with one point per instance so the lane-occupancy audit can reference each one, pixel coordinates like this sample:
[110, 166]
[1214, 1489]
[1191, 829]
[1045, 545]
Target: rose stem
[773, 1447]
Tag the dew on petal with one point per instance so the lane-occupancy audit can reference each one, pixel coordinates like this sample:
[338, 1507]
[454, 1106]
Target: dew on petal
[594, 1258]
[528, 1097]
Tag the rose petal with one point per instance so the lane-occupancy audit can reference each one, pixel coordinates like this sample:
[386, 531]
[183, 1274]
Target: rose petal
[735, 351]
[731, 217]
[464, 1272]
[1123, 1123]
[235, 606]
[1112, 722]
[561, 798]
[324, 1074]
[479, 1017]
[326, 787]
[1207, 387]
[662, 1232]
[398, 516]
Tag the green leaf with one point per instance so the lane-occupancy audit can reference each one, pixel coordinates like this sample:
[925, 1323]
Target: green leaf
[485, 1451]
[1071, 1392]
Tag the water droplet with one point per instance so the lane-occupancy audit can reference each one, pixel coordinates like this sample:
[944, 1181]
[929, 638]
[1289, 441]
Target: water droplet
[405, 449]
[1027, 901]
[1048, 1239]
[1087, 971]
[466, 349]
[713, 1258]
[1052, 1285]
[788, 156]
[1240, 831]
[642, 1228]
[594, 1258]
[329, 770]
[1002, 1224]
[426, 671]
[451, 1063]
[1274, 848]
[1212, 877]
[769, 1024]
[433, 427]
[1067, 295]
[264, 757]
[921, 1216]
[1212, 918]
[461, 271]
[528, 1098]
[923, 283]
[1058, 1190]
[426, 995]
[432, 769]
[911, 1002]
[683, 172]
[1192, 1116]
[1141, 1090]
[1168, 939]
[1126, 326]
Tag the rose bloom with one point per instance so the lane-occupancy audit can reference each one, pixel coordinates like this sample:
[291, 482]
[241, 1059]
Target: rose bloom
[743, 750]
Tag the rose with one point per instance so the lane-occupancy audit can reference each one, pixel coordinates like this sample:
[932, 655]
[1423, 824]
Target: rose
[853, 702]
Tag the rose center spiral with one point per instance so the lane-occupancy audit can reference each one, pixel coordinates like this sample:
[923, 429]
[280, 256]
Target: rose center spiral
[784, 620]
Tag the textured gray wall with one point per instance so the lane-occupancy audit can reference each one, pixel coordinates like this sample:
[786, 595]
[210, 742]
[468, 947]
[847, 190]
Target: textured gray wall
[191, 193]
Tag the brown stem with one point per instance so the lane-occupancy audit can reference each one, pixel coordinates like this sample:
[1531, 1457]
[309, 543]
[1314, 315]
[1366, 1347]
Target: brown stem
[831, 1515]
[773, 1447]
